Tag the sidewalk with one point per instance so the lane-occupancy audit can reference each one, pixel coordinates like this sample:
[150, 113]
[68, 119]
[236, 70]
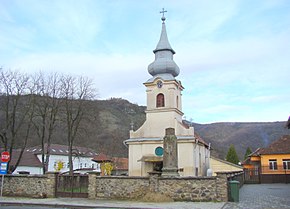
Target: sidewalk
[85, 203]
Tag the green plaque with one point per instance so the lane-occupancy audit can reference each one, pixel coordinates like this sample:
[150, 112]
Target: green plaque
[159, 151]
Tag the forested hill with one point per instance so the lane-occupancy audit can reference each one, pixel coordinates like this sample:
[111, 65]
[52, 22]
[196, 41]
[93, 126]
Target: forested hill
[107, 123]
[241, 135]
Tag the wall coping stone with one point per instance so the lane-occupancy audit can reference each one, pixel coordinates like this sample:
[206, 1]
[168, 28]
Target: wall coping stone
[25, 176]
[188, 178]
[123, 177]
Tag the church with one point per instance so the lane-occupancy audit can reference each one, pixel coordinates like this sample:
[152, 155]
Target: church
[164, 110]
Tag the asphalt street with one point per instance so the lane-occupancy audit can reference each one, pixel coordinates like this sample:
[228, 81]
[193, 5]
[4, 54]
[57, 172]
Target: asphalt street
[252, 196]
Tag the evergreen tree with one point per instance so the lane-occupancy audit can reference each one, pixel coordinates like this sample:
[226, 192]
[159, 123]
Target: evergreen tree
[248, 151]
[232, 156]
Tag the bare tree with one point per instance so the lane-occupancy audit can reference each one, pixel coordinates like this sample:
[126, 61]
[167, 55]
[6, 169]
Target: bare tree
[17, 111]
[75, 92]
[46, 109]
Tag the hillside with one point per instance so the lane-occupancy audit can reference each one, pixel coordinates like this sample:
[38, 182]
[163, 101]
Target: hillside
[241, 135]
[107, 124]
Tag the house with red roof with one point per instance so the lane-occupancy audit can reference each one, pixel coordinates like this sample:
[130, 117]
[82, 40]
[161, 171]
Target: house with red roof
[119, 165]
[270, 164]
[31, 159]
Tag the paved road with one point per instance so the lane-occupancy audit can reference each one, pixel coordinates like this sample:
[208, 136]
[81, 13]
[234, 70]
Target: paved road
[262, 196]
[255, 196]
[81, 203]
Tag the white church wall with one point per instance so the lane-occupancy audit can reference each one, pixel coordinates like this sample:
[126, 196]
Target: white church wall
[203, 158]
[185, 161]
[190, 156]
[135, 154]
[157, 122]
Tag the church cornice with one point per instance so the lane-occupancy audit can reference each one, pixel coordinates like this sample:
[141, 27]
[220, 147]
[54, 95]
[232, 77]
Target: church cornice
[164, 109]
[151, 83]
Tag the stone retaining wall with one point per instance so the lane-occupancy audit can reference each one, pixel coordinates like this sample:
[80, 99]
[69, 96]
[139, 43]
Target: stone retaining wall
[120, 187]
[124, 187]
[176, 188]
[36, 186]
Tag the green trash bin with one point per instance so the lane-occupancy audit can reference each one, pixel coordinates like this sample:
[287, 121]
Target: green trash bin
[234, 191]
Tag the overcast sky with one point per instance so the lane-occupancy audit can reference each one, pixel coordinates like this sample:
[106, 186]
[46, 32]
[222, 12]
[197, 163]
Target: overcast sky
[234, 55]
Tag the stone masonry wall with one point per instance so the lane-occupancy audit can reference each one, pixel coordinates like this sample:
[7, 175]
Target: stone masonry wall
[121, 187]
[189, 189]
[124, 187]
[176, 188]
[36, 186]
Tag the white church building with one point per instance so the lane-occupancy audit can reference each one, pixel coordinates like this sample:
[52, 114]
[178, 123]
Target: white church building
[164, 110]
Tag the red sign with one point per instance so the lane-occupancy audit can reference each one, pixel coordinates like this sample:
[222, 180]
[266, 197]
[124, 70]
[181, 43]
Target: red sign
[5, 157]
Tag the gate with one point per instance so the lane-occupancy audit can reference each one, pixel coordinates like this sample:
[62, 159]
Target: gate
[72, 185]
[252, 176]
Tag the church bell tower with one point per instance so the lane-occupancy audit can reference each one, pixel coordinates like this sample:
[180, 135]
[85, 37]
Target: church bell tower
[163, 90]
[164, 106]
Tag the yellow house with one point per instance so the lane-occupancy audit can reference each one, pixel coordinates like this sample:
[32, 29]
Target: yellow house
[272, 163]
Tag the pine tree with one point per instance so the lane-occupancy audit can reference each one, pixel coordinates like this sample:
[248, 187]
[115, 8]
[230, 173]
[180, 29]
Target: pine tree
[232, 156]
[248, 151]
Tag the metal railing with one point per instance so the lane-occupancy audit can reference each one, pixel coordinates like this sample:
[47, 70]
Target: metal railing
[279, 169]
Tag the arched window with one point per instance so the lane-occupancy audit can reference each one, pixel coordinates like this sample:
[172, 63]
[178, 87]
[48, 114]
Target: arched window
[160, 100]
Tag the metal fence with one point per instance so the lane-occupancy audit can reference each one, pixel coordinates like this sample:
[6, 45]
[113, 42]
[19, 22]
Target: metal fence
[274, 170]
[275, 174]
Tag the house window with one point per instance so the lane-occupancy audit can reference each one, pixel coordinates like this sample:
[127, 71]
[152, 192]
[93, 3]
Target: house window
[160, 100]
[273, 164]
[286, 164]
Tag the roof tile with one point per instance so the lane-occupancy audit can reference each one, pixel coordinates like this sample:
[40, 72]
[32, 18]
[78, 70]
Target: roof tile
[280, 146]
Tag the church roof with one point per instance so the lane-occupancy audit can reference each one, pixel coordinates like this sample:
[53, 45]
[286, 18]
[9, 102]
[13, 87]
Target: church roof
[151, 158]
[163, 43]
[163, 65]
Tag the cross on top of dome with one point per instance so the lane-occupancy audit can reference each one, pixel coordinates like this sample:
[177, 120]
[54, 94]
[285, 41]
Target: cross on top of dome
[163, 17]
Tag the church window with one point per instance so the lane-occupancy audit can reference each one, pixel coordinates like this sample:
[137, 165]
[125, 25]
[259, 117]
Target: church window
[160, 100]
[177, 104]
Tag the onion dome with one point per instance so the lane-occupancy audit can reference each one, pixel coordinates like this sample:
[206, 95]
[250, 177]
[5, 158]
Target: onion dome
[163, 63]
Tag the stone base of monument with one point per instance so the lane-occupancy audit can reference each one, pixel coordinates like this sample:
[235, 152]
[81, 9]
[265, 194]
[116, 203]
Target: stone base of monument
[169, 172]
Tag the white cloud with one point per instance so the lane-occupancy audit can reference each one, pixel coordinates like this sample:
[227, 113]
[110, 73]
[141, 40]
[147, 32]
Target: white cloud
[233, 55]
[117, 75]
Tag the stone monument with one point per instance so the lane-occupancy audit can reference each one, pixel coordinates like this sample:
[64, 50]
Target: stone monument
[170, 161]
